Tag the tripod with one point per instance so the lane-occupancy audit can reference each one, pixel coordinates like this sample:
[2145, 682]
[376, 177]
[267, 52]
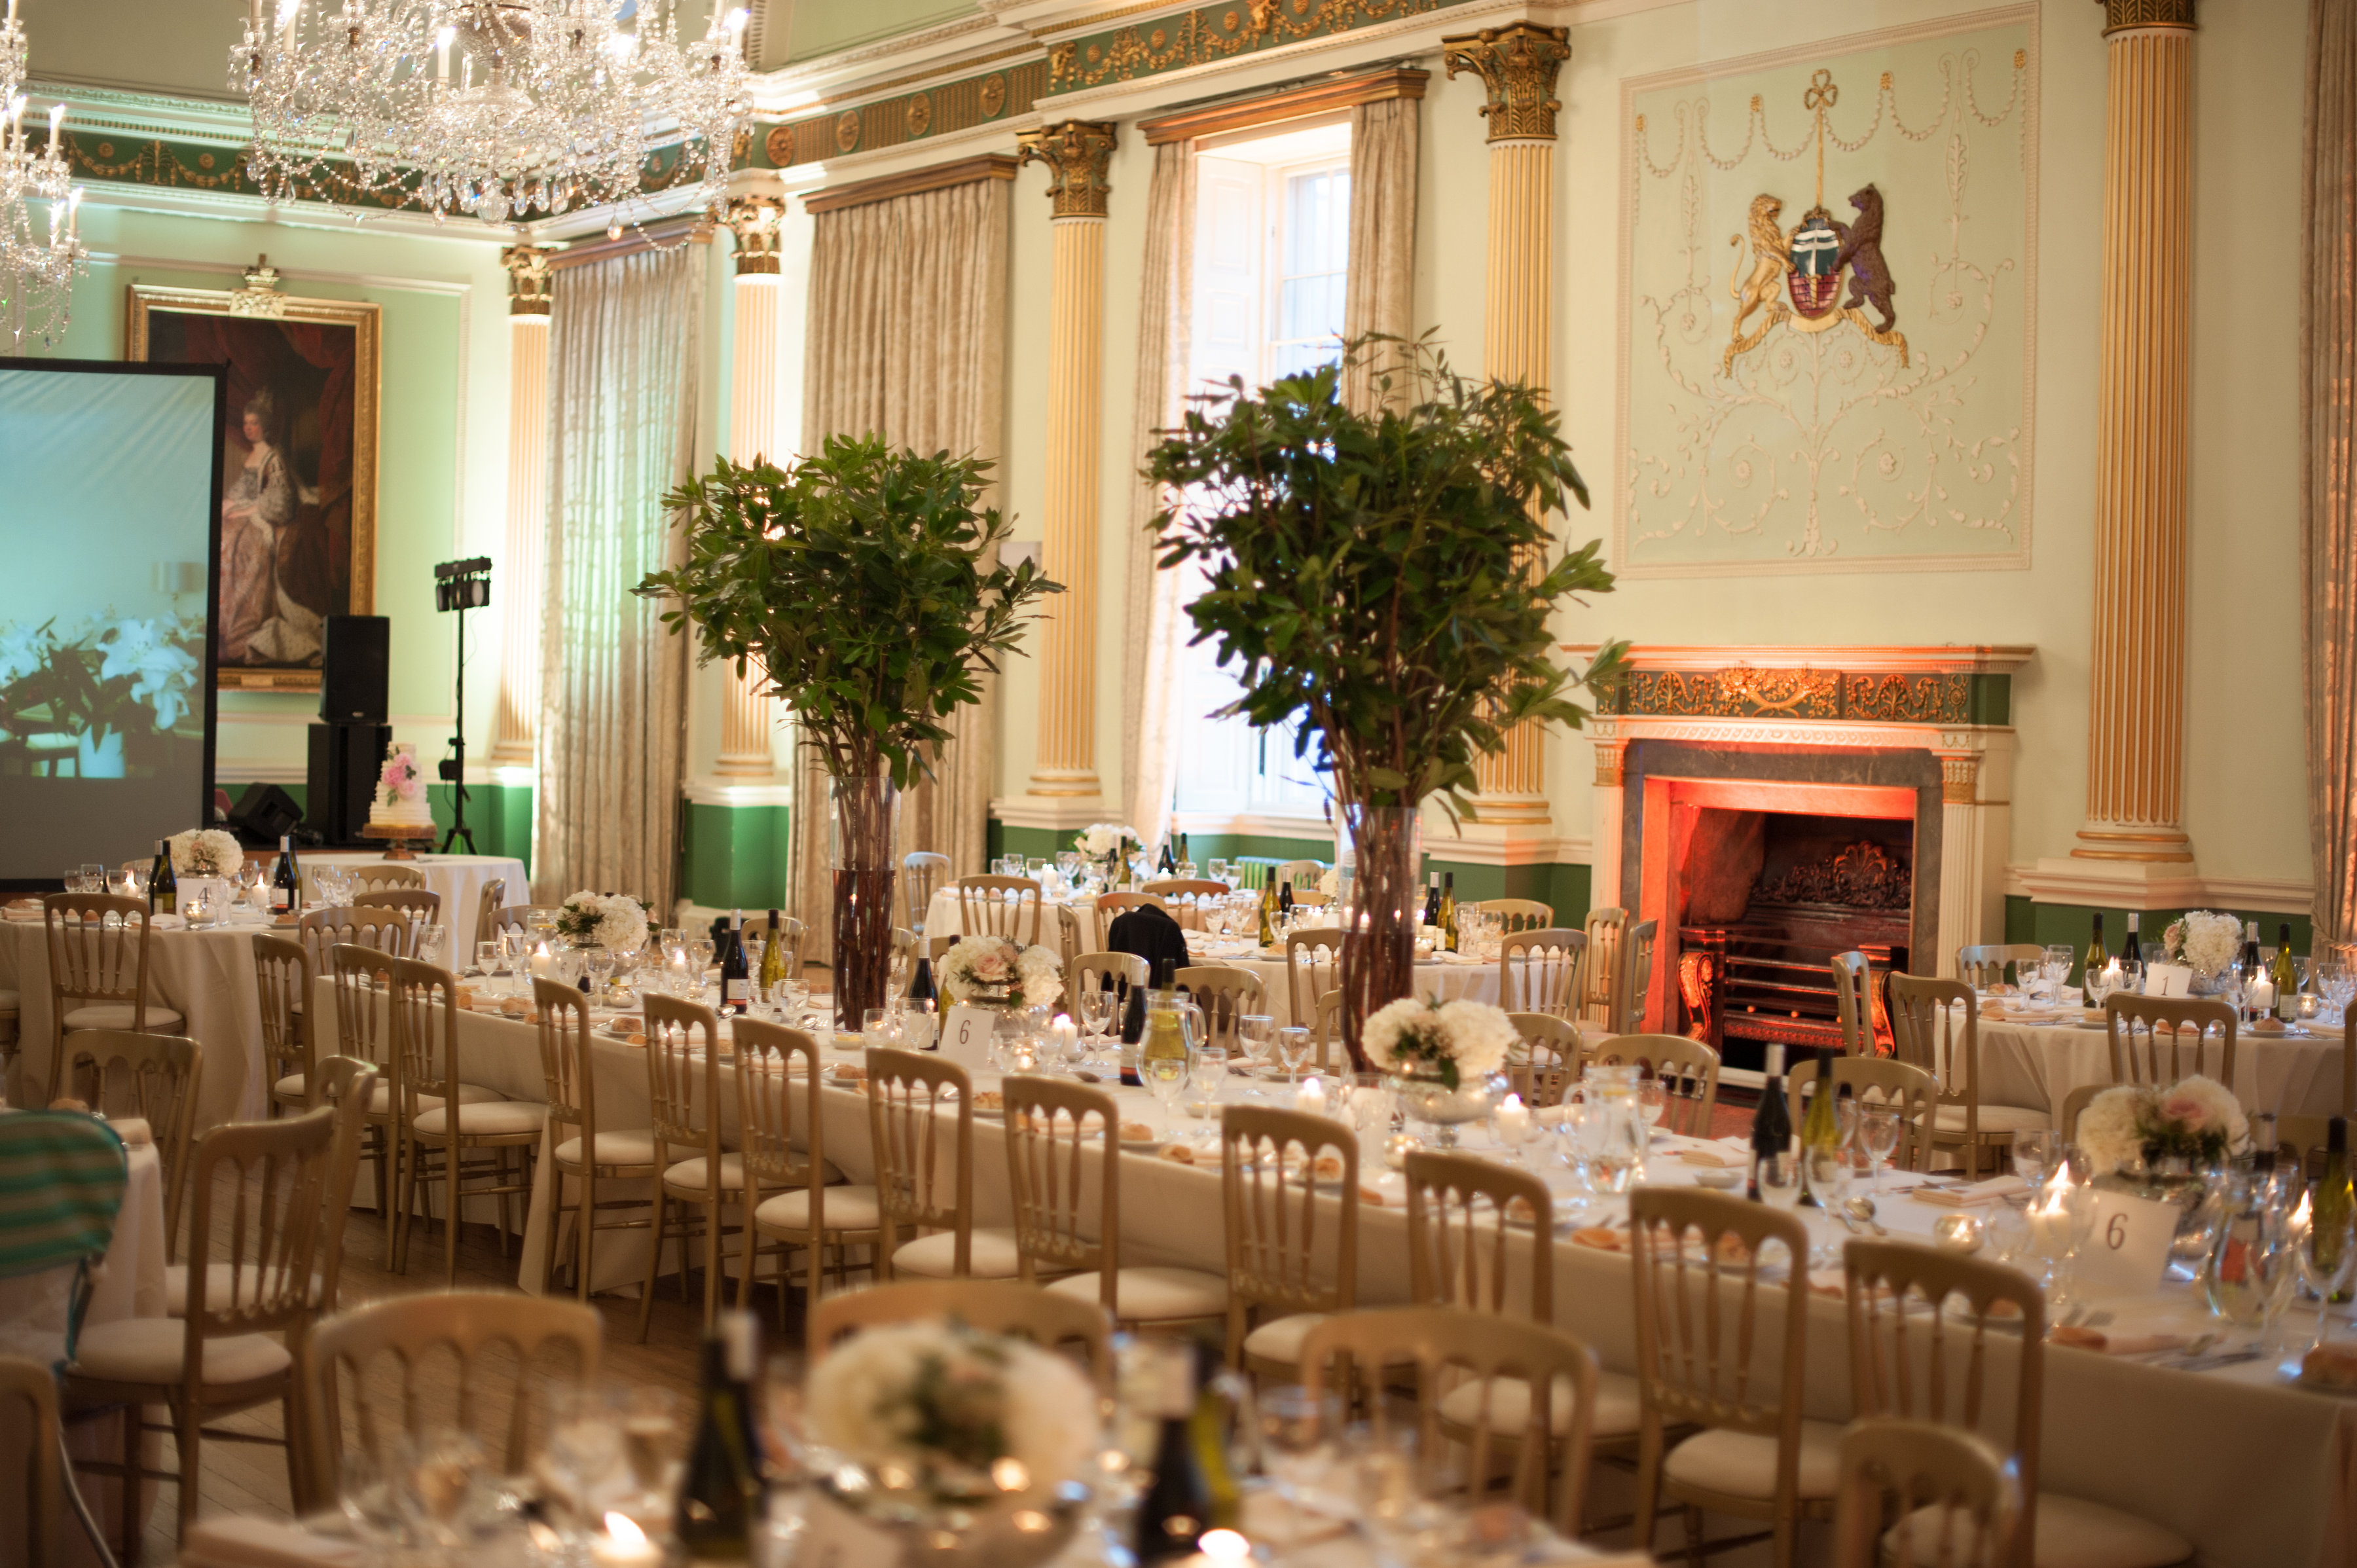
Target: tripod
[461, 586]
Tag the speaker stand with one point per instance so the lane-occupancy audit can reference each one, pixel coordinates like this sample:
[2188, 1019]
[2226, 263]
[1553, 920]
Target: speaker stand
[455, 771]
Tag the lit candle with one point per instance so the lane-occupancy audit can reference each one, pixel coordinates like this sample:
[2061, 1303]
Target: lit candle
[2112, 978]
[73, 212]
[1513, 1122]
[624, 1545]
[543, 960]
[57, 118]
[1310, 1097]
[2049, 1217]
[2260, 998]
[442, 53]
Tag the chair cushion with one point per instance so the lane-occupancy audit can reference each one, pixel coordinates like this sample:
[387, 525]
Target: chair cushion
[217, 1287]
[486, 1118]
[1995, 1119]
[688, 1176]
[1510, 1406]
[846, 1209]
[119, 1014]
[631, 1147]
[2072, 1534]
[990, 1256]
[380, 1097]
[291, 1087]
[1153, 1296]
[1280, 1340]
[1742, 1465]
[148, 1351]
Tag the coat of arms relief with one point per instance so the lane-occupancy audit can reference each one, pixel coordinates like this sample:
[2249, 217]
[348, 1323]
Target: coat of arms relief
[1833, 372]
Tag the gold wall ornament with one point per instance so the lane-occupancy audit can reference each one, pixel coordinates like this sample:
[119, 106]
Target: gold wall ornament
[1960, 778]
[527, 267]
[1077, 153]
[846, 130]
[780, 144]
[921, 114]
[1518, 65]
[2121, 15]
[994, 96]
[756, 221]
[260, 296]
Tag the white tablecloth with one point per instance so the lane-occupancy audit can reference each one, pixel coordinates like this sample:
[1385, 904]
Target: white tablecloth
[459, 879]
[206, 976]
[943, 919]
[2039, 1065]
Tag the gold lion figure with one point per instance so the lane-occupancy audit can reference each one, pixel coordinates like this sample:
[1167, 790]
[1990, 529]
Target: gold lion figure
[1764, 289]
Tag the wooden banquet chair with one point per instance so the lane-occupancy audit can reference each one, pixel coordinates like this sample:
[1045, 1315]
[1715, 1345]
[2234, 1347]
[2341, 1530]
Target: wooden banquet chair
[97, 972]
[421, 904]
[1312, 898]
[357, 1389]
[1956, 1501]
[803, 1212]
[512, 917]
[1328, 1033]
[904, 1090]
[1539, 970]
[1466, 1219]
[1983, 964]
[489, 1143]
[1935, 1025]
[29, 1406]
[1285, 1259]
[1518, 914]
[1313, 966]
[1705, 1361]
[793, 933]
[155, 1077]
[1224, 993]
[1593, 1002]
[1853, 1002]
[487, 904]
[1303, 874]
[1632, 978]
[283, 975]
[2157, 1040]
[1550, 1060]
[684, 1063]
[1687, 1070]
[1111, 904]
[999, 907]
[581, 1149]
[387, 931]
[1497, 1361]
[1050, 1143]
[991, 1306]
[1909, 1091]
[1110, 971]
[376, 875]
[1184, 896]
[1924, 1331]
[922, 874]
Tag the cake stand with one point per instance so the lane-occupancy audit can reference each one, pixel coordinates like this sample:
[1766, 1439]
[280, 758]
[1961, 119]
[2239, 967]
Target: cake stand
[398, 836]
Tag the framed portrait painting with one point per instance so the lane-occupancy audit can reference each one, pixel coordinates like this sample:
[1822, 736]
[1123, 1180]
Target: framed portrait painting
[298, 464]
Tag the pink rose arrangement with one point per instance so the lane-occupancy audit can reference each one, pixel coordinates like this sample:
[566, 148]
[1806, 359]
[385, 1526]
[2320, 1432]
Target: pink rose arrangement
[991, 971]
[399, 777]
[2197, 1119]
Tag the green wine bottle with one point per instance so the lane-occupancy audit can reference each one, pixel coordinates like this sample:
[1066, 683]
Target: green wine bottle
[720, 1497]
[1820, 1125]
[2285, 975]
[2333, 1202]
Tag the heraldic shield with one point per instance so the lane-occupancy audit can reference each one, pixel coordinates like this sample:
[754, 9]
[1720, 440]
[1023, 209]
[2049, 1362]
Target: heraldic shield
[1814, 269]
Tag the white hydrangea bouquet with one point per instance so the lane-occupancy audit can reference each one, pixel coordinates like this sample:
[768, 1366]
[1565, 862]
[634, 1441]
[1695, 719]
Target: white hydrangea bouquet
[206, 851]
[991, 971]
[2202, 941]
[950, 1413]
[2131, 1127]
[1449, 1042]
[1099, 840]
[614, 921]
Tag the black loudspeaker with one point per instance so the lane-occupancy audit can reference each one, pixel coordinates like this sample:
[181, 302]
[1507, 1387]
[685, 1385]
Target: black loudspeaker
[352, 666]
[344, 763]
[265, 814]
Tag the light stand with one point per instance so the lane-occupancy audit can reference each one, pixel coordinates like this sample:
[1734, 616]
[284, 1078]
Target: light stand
[460, 586]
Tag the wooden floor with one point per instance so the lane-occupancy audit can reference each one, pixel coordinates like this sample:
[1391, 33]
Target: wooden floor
[250, 1478]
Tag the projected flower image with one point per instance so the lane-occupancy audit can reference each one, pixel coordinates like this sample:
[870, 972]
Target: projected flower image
[90, 702]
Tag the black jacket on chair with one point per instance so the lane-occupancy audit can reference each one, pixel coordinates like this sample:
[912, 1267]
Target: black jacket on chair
[1149, 932]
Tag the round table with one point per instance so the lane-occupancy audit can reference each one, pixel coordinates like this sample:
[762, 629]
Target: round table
[459, 878]
[2037, 1065]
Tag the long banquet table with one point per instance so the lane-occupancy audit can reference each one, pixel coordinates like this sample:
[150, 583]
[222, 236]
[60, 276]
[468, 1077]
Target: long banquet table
[2038, 1065]
[2256, 1471]
[459, 879]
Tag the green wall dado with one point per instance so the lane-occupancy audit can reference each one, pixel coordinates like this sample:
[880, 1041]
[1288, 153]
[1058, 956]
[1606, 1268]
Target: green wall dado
[498, 815]
[734, 857]
[2026, 921]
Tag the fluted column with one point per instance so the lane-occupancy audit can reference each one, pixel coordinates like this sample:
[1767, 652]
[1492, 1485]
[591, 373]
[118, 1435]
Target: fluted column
[527, 268]
[1518, 65]
[1076, 152]
[746, 719]
[2136, 742]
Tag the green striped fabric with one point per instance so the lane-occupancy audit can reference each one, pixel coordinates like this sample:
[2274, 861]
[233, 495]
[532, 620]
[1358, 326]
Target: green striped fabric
[61, 1181]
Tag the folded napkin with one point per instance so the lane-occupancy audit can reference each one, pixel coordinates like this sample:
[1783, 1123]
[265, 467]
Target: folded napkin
[1994, 1190]
[229, 1542]
[133, 1130]
[1715, 1157]
[2104, 1344]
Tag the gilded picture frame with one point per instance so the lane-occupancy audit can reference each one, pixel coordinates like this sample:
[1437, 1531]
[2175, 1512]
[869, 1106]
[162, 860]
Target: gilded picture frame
[299, 465]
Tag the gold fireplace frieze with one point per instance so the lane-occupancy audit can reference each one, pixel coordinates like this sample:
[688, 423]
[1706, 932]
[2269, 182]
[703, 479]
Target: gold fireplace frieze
[1744, 691]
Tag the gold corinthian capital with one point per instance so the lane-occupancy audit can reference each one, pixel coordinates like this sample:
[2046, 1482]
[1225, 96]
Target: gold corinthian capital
[2122, 15]
[1077, 153]
[757, 221]
[1518, 65]
[527, 268]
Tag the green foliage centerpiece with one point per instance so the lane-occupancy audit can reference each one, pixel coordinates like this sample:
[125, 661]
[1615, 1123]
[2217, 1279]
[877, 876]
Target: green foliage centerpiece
[1383, 577]
[864, 583]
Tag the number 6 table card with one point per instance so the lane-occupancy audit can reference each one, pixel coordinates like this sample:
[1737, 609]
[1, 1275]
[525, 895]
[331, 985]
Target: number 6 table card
[2128, 1248]
[965, 1035]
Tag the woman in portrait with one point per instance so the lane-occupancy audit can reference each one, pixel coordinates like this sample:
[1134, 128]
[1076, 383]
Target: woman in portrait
[264, 617]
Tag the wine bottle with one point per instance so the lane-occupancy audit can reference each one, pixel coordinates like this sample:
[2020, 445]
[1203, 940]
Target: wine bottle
[1267, 916]
[1186, 860]
[1432, 899]
[1284, 900]
[1133, 1031]
[2335, 1198]
[1821, 1123]
[736, 976]
[1193, 1490]
[162, 887]
[2284, 974]
[1771, 1124]
[2098, 955]
[773, 961]
[2132, 957]
[1168, 865]
[720, 1497]
[1447, 921]
[286, 881]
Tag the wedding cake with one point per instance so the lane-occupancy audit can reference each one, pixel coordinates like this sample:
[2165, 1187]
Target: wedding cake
[400, 803]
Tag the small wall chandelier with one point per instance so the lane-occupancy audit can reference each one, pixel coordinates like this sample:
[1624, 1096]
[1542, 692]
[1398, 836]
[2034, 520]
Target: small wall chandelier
[498, 108]
[37, 194]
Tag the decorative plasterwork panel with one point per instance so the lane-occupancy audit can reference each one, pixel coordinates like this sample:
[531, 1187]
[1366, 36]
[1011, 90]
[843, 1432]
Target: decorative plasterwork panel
[1828, 276]
[1221, 30]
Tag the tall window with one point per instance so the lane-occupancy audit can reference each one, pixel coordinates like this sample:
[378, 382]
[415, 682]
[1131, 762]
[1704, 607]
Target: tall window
[1272, 248]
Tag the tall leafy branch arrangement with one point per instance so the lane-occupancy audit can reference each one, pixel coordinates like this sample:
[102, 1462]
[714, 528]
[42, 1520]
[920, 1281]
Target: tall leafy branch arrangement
[1387, 577]
[864, 583]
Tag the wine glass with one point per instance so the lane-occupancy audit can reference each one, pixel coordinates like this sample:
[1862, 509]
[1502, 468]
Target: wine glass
[584, 1446]
[2326, 1251]
[1293, 1049]
[1217, 869]
[599, 962]
[1781, 1180]
[1653, 1098]
[1257, 1031]
[1097, 1008]
[1166, 1076]
[1826, 1173]
[1878, 1133]
[1208, 1078]
[371, 1490]
[486, 959]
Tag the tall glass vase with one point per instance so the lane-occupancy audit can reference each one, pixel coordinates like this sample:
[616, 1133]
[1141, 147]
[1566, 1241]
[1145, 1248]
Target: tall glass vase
[863, 820]
[1379, 942]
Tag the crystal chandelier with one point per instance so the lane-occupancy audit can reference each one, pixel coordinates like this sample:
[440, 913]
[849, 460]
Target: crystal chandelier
[36, 192]
[498, 108]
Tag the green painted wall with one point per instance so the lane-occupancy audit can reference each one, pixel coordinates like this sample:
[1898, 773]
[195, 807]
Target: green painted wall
[734, 857]
[2026, 921]
[498, 815]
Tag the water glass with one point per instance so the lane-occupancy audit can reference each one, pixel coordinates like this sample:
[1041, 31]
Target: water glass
[1877, 1134]
[373, 1491]
[1097, 1009]
[1218, 870]
[1293, 1049]
[1374, 1106]
[486, 959]
[1208, 1074]
[431, 939]
[2033, 1155]
[880, 1027]
[1257, 1031]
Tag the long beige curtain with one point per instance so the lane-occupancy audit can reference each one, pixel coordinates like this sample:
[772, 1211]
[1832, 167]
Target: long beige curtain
[1379, 290]
[908, 337]
[2329, 462]
[1151, 621]
[623, 367]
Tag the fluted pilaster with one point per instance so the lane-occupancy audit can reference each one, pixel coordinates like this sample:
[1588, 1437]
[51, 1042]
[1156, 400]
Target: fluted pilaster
[1076, 152]
[2136, 746]
[746, 718]
[527, 520]
[1518, 64]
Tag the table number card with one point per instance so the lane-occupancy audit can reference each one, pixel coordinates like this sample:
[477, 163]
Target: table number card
[965, 1035]
[2128, 1249]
